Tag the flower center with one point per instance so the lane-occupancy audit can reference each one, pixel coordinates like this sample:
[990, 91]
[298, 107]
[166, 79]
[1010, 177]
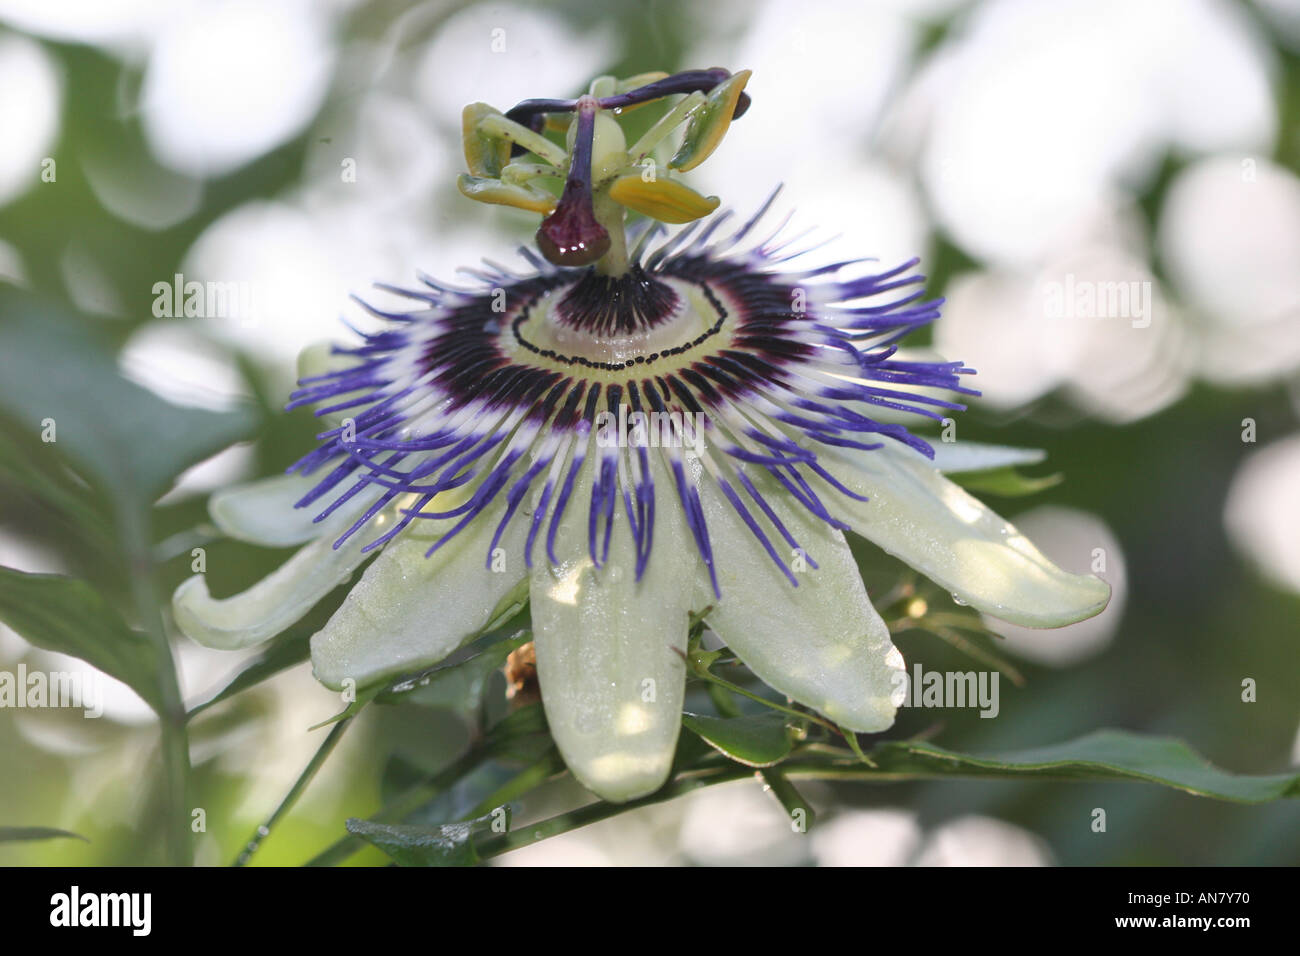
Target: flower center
[611, 323]
[623, 305]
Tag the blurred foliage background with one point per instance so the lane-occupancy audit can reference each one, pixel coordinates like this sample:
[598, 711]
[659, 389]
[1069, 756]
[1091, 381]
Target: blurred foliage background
[302, 150]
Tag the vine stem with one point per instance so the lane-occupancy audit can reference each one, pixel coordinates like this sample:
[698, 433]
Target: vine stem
[171, 717]
[296, 791]
[595, 812]
[687, 783]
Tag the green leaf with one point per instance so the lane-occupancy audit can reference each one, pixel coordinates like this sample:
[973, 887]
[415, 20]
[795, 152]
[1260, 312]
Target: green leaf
[521, 722]
[1103, 755]
[456, 802]
[26, 834]
[1006, 482]
[456, 687]
[522, 734]
[756, 740]
[65, 614]
[797, 808]
[450, 844]
[281, 655]
[45, 479]
[56, 369]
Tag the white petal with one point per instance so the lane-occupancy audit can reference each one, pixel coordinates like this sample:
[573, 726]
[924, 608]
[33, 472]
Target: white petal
[278, 600]
[409, 611]
[263, 512]
[930, 523]
[822, 642]
[607, 646]
[319, 358]
[959, 456]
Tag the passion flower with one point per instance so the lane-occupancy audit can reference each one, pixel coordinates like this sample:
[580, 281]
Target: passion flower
[635, 428]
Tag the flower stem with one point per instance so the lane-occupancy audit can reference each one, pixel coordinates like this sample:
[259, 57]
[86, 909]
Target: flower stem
[290, 798]
[172, 717]
[595, 812]
[686, 783]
